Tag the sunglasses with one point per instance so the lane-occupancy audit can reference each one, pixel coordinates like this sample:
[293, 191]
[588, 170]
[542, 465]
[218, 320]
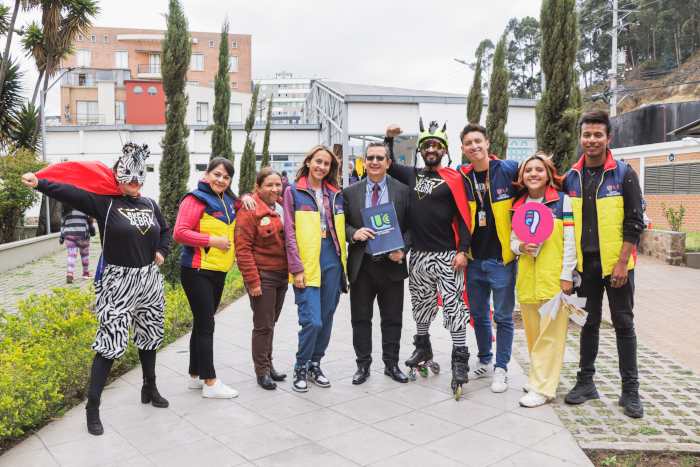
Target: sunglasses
[425, 145]
[377, 158]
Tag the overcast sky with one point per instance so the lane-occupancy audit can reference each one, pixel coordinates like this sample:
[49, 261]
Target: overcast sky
[407, 43]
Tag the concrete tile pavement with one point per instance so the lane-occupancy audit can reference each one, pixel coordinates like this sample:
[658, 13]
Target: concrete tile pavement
[38, 277]
[377, 423]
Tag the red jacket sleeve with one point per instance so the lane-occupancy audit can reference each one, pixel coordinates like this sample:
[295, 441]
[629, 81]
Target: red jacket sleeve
[187, 224]
[243, 242]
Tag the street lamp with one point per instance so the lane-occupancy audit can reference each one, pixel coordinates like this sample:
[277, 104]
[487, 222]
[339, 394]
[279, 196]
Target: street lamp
[42, 99]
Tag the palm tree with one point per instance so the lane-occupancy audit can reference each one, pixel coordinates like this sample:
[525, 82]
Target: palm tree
[61, 21]
[24, 129]
[9, 29]
[10, 103]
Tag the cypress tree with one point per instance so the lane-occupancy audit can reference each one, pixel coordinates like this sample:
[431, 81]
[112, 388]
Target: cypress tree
[498, 103]
[475, 101]
[175, 163]
[246, 180]
[221, 135]
[558, 109]
[266, 143]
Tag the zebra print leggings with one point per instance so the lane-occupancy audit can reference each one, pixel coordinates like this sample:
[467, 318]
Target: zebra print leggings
[430, 273]
[125, 295]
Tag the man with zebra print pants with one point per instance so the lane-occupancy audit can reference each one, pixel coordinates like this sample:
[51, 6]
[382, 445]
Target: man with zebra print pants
[437, 202]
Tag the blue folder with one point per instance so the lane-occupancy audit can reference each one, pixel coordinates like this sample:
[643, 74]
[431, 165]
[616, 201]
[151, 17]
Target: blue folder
[382, 219]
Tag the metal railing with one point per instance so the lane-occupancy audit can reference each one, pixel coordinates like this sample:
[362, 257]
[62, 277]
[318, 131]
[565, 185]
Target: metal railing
[149, 68]
[89, 77]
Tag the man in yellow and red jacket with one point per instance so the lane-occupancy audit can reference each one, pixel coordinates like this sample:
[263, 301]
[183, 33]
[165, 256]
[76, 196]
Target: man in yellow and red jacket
[492, 266]
[607, 203]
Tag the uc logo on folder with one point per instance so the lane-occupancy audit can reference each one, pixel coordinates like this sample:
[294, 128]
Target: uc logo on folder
[381, 222]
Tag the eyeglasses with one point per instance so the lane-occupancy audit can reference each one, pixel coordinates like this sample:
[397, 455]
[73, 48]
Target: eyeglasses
[437, 145]
[377, 158]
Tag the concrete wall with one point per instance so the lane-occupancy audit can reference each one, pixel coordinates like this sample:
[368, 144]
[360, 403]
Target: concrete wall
[646, 125]
[16, 254]
[206, 94]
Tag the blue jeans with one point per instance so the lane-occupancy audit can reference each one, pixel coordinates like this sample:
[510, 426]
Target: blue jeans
[316, 306]
[484, 276]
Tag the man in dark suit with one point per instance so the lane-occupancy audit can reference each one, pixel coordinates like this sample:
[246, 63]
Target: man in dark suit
[379, 276]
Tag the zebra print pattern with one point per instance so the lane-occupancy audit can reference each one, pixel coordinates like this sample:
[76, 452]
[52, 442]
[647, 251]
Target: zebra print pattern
[431, 272]
[125, 296]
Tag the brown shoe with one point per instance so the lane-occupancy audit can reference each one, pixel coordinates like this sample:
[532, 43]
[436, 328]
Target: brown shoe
[69, 279]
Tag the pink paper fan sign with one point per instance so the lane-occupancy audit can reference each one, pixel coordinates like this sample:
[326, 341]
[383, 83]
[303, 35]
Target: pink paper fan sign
[533, 223]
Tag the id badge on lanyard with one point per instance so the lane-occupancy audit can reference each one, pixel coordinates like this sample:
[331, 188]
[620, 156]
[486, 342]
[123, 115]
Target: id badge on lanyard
[482, 212]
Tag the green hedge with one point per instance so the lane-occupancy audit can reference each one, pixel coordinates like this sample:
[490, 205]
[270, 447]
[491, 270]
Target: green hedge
[45, 354]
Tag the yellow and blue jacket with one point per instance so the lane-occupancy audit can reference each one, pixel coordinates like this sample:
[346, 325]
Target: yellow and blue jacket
[218, 221]
[538, 277]
[306, 227]
[501, 190]
[610, 207]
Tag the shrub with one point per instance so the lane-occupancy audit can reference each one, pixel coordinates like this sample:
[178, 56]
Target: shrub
[45, 354]
[15, 197]
[675, 219]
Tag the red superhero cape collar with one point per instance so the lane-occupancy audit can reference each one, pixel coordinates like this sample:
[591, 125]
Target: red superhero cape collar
[456, 184]
[92, 176]
[610, 163]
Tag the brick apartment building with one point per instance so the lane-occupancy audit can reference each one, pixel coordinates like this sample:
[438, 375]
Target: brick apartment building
[120, 76]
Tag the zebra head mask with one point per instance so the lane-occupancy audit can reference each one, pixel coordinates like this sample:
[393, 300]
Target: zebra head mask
[132, 165]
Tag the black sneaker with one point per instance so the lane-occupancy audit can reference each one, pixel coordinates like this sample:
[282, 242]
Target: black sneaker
[581, 393]
[633, 407]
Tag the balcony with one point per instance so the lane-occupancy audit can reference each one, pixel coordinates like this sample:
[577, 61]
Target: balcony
[85, 119]
[90, 77]
[149, 71]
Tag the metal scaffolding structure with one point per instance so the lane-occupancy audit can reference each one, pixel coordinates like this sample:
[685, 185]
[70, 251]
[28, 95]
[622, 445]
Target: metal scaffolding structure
[329, 109]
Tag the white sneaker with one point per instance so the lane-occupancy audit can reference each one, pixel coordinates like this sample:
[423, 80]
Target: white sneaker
[481, 370]
[218, 390]
[195, 383]
[500, 380]
[532, 399]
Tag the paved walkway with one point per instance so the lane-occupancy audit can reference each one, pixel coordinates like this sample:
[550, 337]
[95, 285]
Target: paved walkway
[41, 275]
[380, 422]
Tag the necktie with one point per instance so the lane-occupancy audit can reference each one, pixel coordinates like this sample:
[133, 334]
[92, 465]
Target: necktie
[375, 194]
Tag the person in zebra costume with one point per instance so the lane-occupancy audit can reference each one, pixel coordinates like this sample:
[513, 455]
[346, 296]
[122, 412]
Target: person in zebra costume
[129, 289]
[439, 224]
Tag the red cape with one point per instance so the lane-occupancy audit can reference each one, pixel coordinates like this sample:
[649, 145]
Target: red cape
[456, 183]
[92, 176]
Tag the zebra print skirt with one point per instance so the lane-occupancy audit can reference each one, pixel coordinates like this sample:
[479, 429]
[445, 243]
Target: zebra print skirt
[431, 272]
[127, 296]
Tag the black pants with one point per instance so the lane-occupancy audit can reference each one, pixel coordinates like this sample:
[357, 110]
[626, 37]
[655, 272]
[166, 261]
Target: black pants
[621, 302]
[203, 289]
[372, 281]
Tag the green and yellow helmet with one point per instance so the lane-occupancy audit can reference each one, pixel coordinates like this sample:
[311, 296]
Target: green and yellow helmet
[433, 133]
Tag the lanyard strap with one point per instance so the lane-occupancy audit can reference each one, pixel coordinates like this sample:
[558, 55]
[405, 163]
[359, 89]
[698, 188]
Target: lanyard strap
[486, 188]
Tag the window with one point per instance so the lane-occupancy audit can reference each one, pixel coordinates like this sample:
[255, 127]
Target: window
[672, 179]
[212, 83]
[138, 90]
[152, 91]
[234, 84]
[211, 43]
[150, 168]
[233, 63]
[86, 112]
[235, 112]
[154, 63]
[121, 59]
[80, 38]
[120, 111]
[202, 112]
[193, 81]
[200, 167]
[197, 62]
[84, 57]
[93, 38]
[234, 45]
[106, 38]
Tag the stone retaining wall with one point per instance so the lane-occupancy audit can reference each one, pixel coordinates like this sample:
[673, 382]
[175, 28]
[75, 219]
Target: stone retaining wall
[664, 245]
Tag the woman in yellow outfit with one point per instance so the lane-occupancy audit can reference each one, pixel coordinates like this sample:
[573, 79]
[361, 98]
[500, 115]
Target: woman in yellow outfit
[542, 273]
